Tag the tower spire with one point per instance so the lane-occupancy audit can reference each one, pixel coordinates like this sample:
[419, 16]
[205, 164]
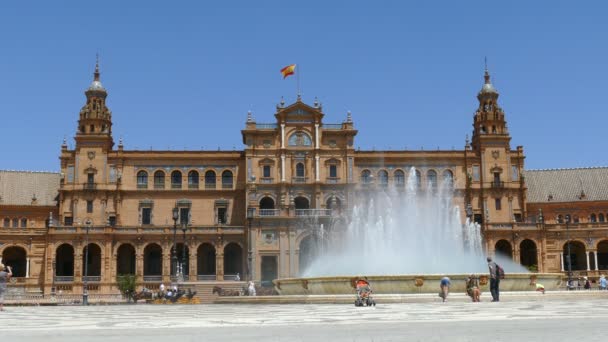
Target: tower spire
[96, 74]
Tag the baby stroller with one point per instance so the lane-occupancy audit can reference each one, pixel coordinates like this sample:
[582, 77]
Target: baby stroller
[364, 294]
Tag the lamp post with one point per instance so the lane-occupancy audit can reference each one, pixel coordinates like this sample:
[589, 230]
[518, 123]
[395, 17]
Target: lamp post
[174, 249]
[568, 258]
[53, 290]
[250, 215]
[183, 263]
[85, 283]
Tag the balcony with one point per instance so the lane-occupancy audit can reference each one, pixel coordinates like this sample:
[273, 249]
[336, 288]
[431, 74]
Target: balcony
[332, 180]
[266, 180]
[89, 186]
[497, 185]
[192, 185]
[153, 278]
[64, 279]
[142, 185]
[210, 186]
[92, 279]
[269, 212]
[313, 212]
[176, 185]
[332, 126]
[159, 185]
[203, 277]
[299, 180]
[227, 185]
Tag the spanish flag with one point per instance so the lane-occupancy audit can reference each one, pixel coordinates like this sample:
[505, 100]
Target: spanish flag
[288, 70]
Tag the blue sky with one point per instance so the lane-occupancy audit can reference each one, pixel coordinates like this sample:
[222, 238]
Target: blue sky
[184, 74]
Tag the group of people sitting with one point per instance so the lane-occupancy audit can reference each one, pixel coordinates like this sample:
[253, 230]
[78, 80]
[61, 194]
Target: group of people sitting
[473, 288]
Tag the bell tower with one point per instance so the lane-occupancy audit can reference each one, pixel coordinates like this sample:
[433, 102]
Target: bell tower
[489, 123]
[95, 121]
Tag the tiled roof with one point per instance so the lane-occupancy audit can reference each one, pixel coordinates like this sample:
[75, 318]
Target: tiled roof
[20, 187]
[567, 185]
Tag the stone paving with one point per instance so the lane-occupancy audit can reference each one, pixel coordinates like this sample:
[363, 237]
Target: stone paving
[540, 315]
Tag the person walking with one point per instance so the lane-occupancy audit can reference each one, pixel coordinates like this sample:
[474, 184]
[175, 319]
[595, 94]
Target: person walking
[602, 282]
[5, 275]
[494, 280]
[587, 285]
[444, 285]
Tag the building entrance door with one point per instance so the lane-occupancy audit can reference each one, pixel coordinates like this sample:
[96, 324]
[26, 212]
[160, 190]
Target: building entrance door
[269, 270]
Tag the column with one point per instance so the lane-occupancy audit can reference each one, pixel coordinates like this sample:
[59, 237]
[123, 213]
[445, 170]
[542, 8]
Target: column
[595, 258]
[166, 264]
[292, 251]
[27, 267]
[282, 135]
[561, 258]
[317, 135]
[588, 268]
[139, 264]
[193, 262]
[219, 264]
[253, 234]
[317, 168]
[282, 167]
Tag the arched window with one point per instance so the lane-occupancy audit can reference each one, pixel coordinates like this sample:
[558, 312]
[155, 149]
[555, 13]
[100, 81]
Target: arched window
[366, 176]
[448, 178]
[176, 180]
[193, 180]
[23, 223]
[142, 180]
[300, 170]
[210, 180]
[593, 218]
[560, 218]
[399, 177]
[227, 179]
[299, 139]
[383, 178]
[431, 176]
[601, 217]
[159, 180]
[267, 207]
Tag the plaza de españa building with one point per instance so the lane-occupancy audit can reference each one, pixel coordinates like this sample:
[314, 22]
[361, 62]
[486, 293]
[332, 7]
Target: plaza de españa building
[247, 214]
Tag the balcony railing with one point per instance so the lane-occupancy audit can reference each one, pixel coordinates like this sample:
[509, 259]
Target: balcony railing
[231, 277]
[269, 212]
[209, 185]
[64, 279]
[313, 212]
[153, 278]
[266, 126]
[193, 186]
[332, 126]
[332, 180]
[142, 185]
[176, 185]
[497, 185]
[266, 180]
[159, 185]
[204, 277]
[227, 185]
[299, 180]
[89, 186]
[92, 279]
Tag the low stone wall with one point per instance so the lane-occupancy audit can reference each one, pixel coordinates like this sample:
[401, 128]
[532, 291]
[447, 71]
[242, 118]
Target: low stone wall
[403, 284]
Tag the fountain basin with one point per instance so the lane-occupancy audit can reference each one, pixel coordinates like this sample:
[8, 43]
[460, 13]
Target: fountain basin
[415, 283]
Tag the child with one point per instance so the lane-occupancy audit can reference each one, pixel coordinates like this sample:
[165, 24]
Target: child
[540, 288]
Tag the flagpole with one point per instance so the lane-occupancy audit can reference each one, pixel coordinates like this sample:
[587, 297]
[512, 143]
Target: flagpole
[298, 82]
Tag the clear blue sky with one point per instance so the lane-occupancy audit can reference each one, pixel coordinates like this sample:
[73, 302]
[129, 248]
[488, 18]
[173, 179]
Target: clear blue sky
[184, 74]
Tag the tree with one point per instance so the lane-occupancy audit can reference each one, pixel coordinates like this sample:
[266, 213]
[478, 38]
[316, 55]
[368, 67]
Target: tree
[127, 284]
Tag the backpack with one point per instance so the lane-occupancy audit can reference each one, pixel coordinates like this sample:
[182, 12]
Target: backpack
[500, 272]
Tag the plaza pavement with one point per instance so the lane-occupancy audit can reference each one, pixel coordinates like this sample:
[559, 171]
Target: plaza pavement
[537, 318]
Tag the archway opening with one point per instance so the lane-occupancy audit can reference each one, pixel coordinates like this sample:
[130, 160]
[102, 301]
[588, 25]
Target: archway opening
[153, 260]
[93, 264]
[233, 260]
[602, 255]
[64, 261]
[266, 203]
[528, 255]
[504, 249]
[206, 261]
[125, 260]
[301, 202]
[577, 258]
[16, 258]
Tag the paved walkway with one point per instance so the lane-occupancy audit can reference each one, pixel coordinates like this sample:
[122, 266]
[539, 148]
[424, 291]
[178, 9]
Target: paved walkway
[541, 319]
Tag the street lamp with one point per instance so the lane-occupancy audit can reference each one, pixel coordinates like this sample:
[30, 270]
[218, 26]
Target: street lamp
[85, 283]
[250, 215]
[174, 249]
[568, 258]
[183, 263]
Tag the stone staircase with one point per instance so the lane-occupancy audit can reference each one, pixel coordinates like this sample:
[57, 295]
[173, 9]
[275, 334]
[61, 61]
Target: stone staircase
[204, 288]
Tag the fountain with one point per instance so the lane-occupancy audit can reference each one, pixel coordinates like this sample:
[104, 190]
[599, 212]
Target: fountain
[403, 242]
